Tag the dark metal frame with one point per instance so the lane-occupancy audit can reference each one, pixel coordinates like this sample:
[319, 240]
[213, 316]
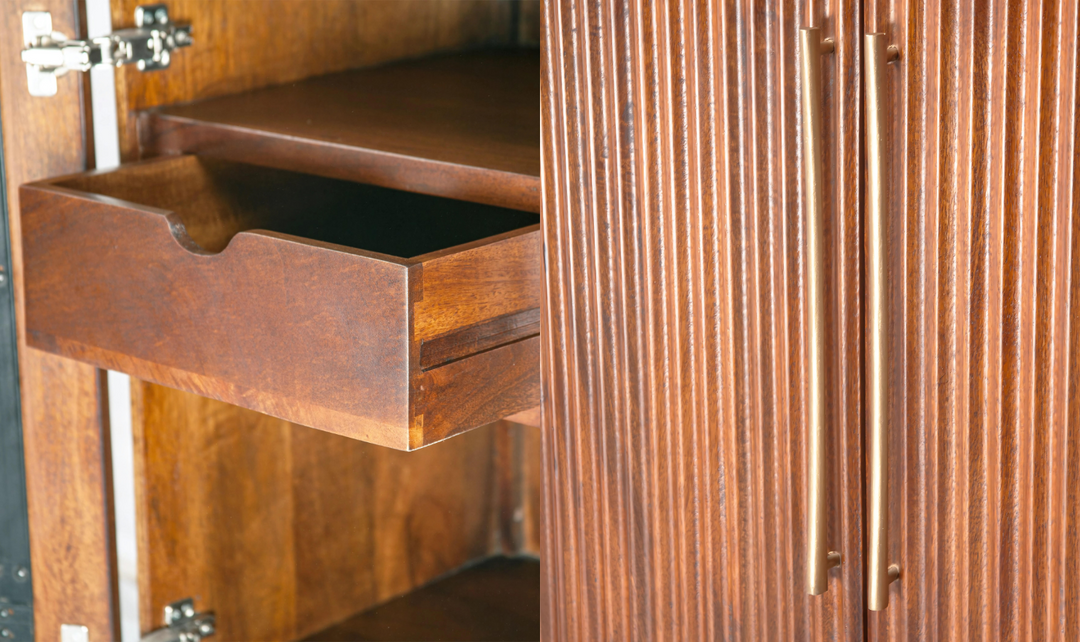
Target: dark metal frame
[16, 590]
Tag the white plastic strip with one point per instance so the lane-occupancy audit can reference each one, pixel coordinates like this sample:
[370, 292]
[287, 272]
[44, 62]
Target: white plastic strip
[107, 154]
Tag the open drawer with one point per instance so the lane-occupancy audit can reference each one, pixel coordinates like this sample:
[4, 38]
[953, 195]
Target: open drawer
[395, 318]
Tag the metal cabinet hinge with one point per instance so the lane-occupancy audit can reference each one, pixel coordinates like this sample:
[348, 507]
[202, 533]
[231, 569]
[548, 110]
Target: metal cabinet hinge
[50, 54]
[183, 624]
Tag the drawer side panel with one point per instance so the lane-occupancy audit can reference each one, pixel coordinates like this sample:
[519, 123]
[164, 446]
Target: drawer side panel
[479, 284]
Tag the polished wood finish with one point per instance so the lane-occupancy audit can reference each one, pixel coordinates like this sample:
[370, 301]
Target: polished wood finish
[531, 501]
[530, 417]
[494, 600]
[674, 337]
[239, 46]
[65, 420]
[231, 56]
[463, 125]
[283, 546]
[270, 290]
[983, 238]
[518, 495]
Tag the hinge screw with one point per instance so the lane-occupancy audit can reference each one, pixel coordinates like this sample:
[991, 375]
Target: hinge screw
[6, 633]
[6, 612]
[21, 573]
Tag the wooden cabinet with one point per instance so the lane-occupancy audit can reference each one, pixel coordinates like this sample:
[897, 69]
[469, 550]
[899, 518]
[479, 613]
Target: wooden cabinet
[718, 332]
[327, 216]
[676, 359]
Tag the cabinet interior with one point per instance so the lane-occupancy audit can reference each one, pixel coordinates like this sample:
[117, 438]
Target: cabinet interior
[285, 531]
[217, 199]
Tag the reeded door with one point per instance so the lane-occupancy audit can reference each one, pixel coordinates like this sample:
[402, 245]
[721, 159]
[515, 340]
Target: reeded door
[812, 348]
[683, 388]
[982, 278]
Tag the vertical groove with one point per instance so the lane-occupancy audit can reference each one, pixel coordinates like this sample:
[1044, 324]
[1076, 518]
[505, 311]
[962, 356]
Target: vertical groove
[1070, 552]
[674, 371]
[673, 367]
[1044, 464]
[1071, 545]
[985, 329]
[990, 507]
[596, 75]
[1015, 237]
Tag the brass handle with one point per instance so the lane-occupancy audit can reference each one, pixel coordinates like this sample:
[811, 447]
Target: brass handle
[880, 572]
[818, 558]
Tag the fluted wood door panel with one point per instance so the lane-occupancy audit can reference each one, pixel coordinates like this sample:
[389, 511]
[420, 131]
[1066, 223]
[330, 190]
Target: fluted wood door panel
[985, 503]
[674, 337]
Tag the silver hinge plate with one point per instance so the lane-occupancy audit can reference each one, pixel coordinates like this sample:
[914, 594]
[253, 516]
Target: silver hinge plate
[183, 624]
[50, 54]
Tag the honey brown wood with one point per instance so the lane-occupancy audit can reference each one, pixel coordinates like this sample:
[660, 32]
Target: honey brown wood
[531, 502]
[530, 417]
[299, 296]
[674, 336]
[283, 530]
[463, 125]
[241, 47]
[312, 39]
[986, 430]
[65, 429]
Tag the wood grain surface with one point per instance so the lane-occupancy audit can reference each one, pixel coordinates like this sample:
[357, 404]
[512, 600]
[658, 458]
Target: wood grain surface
[674, 333]
[241, 45]
[283, 530]
[983, 176]
[300, 296]
[463, 125]
[65, 419]
[231, 55]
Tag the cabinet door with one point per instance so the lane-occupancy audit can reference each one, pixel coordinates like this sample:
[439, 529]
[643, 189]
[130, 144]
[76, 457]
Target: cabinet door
[65, 435]
[985, 452]
[675, 336]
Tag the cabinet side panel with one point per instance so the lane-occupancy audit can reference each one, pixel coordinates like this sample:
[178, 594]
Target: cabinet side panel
[674, 344]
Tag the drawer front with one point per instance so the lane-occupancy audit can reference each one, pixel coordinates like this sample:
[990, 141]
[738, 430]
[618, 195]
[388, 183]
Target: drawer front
[294, 330]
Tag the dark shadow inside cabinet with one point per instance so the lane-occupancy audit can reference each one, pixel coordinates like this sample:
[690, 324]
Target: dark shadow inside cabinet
[415, 131]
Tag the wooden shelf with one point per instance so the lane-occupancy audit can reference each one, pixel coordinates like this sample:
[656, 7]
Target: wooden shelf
[498, 599]
[463, 126]
[394, 318]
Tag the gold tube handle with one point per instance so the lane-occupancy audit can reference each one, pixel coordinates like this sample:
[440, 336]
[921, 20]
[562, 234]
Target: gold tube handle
[879, 572]
[818, 558]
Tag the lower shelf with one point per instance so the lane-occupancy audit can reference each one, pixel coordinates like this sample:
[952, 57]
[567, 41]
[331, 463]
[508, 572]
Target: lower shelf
[498, 599]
